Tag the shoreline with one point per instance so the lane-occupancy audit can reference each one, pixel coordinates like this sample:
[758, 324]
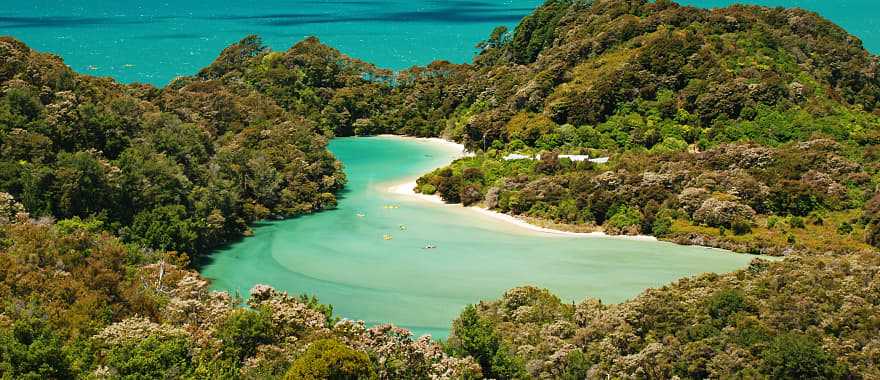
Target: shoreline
[408, 189]
[459, 148]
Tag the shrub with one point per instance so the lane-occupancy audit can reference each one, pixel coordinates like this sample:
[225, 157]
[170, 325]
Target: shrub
[475, 336]
[470, 194]
[330, 359]
[662, 226]
[741, 226]
[772, 221]
[796, 356]
[626, 220]
[243, 331]
[717, 213]
[796, 222]
[428, 189]
[152, 358]
[725, 303]
[845, 228]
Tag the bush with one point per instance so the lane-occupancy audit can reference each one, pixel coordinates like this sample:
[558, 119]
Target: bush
[428, 189]
[716, 213]
[845, 228]
[796, 222]
[662, 226]
[332, 360]
[476, 337]
[152, 358]
[741, 227]
[243, 331]
[470, 194]
[726, 303]
[796, 356]
[626, 220]
[29, 350]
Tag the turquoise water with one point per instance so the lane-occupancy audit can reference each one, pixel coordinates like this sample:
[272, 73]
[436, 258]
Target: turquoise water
[152, 42]
[344, 259]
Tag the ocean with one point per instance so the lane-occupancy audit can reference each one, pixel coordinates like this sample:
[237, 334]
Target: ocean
[154, 42]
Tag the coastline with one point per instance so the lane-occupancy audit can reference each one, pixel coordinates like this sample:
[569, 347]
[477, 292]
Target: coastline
[452, 145]
[408, 189]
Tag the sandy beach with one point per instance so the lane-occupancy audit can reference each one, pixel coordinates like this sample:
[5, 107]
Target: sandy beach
[408, 189]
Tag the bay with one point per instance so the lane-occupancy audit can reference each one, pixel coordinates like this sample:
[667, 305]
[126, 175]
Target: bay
[342, 256]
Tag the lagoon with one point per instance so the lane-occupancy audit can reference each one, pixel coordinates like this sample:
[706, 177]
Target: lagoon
[343, 258]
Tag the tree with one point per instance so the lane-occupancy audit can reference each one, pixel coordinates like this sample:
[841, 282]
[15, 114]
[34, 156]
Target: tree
[151, 358]
[243, 330]
[165, 228]
[797, 356]
[30, 350]
[329, 359]
[472, 335]
[82, 184]
[726, 303]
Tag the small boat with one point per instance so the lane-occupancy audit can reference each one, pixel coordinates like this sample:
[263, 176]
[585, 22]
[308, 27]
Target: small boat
[387, 237]
[127, 65]
[429, 246]
[361, 215]
[92, 67]
[402, 227]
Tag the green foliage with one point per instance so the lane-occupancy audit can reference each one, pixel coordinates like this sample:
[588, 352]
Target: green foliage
[331, 360]
[77, 224]
[624, 218]
[576, 367]
[115, 154]
[741, 226]
[506, 365]
[537, 30]
[725, 303]
[30, 350]
[662, 226]
[475, 336]
[797, 356]
[243, 330]
[166, 228]
[151, 358]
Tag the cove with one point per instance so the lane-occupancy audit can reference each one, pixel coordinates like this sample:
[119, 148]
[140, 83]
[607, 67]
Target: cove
[342, 255]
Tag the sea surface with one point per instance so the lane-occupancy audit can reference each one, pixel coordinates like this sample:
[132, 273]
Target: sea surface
[156, 41]
[342, 255]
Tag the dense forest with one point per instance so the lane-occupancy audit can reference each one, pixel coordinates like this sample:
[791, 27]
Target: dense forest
[185, 168]
[748, 128]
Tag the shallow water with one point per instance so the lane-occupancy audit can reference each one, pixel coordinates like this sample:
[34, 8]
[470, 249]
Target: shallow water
[344, 260]
[153, 42]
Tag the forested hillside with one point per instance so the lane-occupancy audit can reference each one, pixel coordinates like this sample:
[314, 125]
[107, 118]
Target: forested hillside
[184, 169]
[747, 128]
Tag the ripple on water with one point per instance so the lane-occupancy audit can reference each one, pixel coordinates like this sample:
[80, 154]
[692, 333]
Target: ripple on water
[344, 260]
